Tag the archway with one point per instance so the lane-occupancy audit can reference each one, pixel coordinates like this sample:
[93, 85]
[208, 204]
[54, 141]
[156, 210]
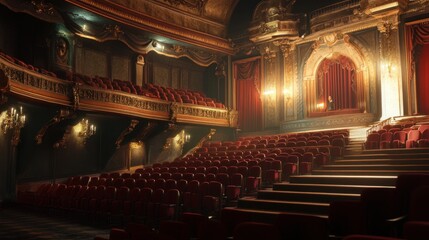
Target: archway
[336, 80]
[340, 52]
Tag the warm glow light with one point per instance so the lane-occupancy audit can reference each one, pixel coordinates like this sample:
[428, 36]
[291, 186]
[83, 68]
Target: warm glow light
[84, 129]
[320, 106]
[269, 92]
[286, 92]
[77, 128]
[390, 90]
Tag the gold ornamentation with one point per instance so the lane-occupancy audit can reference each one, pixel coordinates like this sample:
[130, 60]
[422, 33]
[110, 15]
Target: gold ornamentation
[268, 54]
[62, 115]
[173, 112]
[21, 81]
[62, 49]
[196, 4]
[139, 21]
[285, 46]
[220, 71]
[13, 120]
[115, 30]
[87, 130]
[43, 7]
[125, 132]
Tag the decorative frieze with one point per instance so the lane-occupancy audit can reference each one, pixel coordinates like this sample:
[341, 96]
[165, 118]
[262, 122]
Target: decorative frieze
[23, 82]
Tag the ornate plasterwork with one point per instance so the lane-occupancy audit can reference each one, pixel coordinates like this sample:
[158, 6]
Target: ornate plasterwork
[43, 7]
[132, 13]
[17, 80]
[197, 4]
[273, 18]
[344, 46]
[62, 114]
[136, 42]
[361, 119]
[126, 131]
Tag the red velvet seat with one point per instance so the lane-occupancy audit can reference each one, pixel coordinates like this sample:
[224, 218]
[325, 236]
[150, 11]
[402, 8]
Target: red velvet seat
[412, 138]
[372, 141]
[399, 139]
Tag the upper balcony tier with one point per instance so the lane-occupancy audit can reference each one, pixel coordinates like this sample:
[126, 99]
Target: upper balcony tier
[120, 97]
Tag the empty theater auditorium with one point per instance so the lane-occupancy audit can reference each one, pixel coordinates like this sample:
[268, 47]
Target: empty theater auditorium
[214, 119]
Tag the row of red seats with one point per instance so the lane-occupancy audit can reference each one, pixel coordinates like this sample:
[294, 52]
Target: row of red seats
[148, 90]
[232, 224]
[304, 136]
[137, 204]
[396, 138]
[25, 65]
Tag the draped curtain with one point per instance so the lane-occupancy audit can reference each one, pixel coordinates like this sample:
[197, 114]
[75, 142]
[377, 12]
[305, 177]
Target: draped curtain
[248, 81]
[337, 78]
[417, 36]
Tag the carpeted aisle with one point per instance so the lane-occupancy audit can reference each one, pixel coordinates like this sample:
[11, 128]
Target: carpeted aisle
[22, 224]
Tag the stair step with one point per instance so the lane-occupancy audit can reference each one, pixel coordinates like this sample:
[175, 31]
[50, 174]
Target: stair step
[345, 179]
[400, 153]
[367, 172]
[266, 215]
[320, 197]
[381, 161]
[284, 206]
[327, 188]
[358, 167]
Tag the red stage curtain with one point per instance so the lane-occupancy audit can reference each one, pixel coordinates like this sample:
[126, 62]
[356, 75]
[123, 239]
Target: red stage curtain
[248, 81]
[422, 80]
[417, 36]
[337, 78]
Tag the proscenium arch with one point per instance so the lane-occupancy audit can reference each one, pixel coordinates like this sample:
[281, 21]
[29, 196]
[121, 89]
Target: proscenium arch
[358, 54]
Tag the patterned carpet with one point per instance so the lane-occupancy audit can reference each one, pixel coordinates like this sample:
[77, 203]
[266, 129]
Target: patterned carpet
[23, 224]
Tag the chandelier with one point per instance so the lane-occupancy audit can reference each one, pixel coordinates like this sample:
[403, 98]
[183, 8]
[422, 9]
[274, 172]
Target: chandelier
[14, 120]
[86, 130]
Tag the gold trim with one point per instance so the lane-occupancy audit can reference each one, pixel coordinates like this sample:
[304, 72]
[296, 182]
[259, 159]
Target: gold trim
[33, 85]
[147, 23]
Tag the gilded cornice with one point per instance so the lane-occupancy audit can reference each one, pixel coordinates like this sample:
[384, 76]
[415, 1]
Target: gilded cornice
[17, 80]
[140, 21]
[36, 8]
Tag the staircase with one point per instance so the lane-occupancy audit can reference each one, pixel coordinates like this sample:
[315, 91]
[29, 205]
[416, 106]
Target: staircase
[343, 179]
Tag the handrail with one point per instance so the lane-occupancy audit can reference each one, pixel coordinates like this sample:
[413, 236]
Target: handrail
[334, 7]
[21, 81]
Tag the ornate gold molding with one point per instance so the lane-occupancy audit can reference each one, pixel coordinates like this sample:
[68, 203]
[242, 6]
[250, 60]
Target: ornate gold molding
[42, 7]
[196, 4]
[29, 84]
[144, 22]
[62, 115]
[125, 132]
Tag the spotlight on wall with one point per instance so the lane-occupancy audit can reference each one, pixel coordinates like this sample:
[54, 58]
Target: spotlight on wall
[13, 119]
[86, 130]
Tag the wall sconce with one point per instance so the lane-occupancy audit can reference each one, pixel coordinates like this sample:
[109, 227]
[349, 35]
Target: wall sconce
[13, 120]
[86, 130]
[187, 138]
[270, 92]
[320, 106]
[287, 94]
